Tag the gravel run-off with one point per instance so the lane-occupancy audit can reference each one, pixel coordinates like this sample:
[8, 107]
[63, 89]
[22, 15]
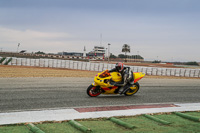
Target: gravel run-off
[26, 71]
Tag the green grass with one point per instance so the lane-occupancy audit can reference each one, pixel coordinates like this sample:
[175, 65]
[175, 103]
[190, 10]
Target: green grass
[143, 125]
[57, 128]
[14, 129]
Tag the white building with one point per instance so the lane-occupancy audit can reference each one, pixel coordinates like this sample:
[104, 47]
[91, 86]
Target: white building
[98, 51]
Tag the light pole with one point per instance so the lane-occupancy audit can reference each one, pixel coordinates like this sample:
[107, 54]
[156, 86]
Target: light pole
[109, 52]
[18, 47]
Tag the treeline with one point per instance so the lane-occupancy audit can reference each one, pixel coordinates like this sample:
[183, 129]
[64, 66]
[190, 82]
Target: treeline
[192, 63]
[126, 56]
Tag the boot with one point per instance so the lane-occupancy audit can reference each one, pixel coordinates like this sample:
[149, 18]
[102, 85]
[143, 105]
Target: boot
[125, 88]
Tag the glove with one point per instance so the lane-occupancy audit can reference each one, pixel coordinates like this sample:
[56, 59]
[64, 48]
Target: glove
[112, 83]
[115, 84]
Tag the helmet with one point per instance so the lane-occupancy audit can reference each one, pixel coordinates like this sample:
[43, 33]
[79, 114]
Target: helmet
[119, 66]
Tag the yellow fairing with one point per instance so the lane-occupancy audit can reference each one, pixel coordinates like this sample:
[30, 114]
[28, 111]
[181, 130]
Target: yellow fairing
[138, 76]
[111, 91]
[116, 76]
[103, 82]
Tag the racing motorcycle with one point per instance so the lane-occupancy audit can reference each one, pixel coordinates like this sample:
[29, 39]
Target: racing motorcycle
[103, 84]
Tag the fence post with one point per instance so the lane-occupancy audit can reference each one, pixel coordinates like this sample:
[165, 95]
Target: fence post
[44, 63]
[89, 66]
[170, 72]
[81, 65]
[180, 73]
[69, 64]
[190, 73]
[175, 73]
[194, 73]
[199, 73]
[85, 65]
[52, 63]
[162, 71]
[156, 71]
[184, 72]
[146, 70]
[48, 63]
[94, 66]
[98, 66]
[65, 64]
[61, 64]
[11, 62]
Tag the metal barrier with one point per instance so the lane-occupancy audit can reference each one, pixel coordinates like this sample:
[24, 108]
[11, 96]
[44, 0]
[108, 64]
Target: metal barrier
[80, 65]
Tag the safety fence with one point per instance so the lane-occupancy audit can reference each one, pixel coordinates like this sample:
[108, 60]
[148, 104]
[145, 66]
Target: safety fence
[98, 66]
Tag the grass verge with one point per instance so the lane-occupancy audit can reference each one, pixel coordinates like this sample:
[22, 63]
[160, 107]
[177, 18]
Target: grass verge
[104, 125]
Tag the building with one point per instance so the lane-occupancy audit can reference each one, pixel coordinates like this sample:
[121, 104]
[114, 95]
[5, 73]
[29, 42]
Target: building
[98, 51]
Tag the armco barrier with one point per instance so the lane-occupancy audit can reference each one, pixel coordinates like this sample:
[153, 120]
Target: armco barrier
[90, 66]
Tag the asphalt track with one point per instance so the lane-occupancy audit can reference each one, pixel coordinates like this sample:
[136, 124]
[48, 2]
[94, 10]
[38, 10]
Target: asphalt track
[20, 94]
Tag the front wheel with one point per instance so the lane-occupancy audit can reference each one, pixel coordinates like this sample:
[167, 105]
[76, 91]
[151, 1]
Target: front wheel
[133, 89]
[93, 91]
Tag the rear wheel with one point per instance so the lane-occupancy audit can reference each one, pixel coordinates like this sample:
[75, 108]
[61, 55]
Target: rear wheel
[93, 91]
[133, 89]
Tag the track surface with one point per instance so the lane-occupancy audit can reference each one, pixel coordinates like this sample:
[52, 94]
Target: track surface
[19, 94]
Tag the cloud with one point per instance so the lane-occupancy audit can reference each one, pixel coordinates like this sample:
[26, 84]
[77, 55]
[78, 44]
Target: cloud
[27, 35]
[31, 39]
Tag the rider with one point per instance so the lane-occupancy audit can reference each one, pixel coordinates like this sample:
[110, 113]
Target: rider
[127, 76]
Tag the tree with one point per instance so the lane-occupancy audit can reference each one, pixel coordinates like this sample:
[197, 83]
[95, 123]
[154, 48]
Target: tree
[192, 63]
[112, 56]
[39, 52]
[126, 48]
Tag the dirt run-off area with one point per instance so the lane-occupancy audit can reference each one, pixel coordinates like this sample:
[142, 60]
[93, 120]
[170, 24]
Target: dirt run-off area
[26, 71]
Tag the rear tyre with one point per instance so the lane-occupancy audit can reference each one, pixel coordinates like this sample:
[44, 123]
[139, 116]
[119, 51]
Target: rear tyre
[93, 91]
[132, 90]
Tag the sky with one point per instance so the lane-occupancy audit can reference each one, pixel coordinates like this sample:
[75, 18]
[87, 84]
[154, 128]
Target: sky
[167, 30]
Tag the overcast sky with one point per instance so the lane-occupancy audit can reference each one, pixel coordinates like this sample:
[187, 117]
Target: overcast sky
[168, 30]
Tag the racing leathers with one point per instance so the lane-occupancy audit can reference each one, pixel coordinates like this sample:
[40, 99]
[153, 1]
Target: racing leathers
[127, 78]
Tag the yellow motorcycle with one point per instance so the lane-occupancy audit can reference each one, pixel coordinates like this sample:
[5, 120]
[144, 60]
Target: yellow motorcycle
[102, 84]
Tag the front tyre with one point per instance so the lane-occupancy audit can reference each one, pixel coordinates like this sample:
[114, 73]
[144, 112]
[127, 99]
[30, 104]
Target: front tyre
[132, 90]
[93, 91]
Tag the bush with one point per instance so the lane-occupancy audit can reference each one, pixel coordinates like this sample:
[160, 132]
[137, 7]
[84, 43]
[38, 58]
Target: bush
[156, 61]
[192, 63]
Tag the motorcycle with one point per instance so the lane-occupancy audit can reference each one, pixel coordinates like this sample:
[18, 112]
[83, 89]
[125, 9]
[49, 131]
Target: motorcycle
[103, 84]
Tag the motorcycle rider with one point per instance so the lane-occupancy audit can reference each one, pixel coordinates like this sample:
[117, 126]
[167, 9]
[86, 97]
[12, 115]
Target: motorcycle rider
[127, 76]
